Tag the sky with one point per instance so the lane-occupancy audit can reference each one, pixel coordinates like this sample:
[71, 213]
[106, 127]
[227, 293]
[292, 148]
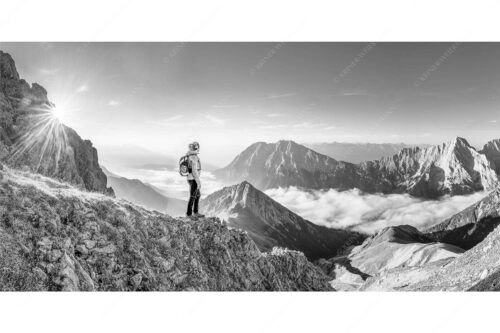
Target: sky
[157, 97]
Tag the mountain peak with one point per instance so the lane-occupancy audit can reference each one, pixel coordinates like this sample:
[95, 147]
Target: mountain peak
[284, 163]
[286, 142]
[8, 67]
[459, 142]
[401, 234]
[245, 183]
[271, 224]
[492, 144]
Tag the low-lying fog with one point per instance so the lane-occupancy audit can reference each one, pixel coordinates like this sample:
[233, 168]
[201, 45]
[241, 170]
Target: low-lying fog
[369, 212]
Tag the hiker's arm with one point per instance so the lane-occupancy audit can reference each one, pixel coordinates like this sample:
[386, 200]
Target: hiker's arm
[196, 175]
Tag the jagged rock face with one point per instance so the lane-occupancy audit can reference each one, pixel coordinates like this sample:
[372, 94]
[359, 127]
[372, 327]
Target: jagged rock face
[492, 152]
[471, 226]
[7, 67]
[270, 224]
[287, 163]
[47, 147]
[390, 248]
[60, 238]
[358, 152]
[451, 168]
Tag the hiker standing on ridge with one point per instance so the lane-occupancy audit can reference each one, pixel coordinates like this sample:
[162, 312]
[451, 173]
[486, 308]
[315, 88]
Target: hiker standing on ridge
[193, 168]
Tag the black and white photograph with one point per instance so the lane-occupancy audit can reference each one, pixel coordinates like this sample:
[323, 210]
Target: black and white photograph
[181, 165]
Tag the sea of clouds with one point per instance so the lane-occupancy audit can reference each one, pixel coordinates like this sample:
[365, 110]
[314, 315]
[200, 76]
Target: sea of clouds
[369, 212]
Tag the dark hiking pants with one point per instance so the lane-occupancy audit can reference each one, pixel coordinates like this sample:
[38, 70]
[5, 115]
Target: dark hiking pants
[194, 198]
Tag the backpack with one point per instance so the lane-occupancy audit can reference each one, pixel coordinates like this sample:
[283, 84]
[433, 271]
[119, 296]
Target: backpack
[185, 167]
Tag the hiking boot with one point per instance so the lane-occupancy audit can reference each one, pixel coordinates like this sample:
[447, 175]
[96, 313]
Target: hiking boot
[197, 215]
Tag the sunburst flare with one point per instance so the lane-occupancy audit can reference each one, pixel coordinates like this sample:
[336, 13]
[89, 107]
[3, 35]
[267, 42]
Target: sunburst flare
[43, 140]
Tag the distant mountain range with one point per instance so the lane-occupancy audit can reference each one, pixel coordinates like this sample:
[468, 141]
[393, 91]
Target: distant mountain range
[454, 167]
[359, 152]
[270, 224]
[144, 194]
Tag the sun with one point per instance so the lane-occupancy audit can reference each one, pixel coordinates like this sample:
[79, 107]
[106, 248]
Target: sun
[58, 113]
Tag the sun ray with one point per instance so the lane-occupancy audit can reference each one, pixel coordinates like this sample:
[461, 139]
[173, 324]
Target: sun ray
[43, 140]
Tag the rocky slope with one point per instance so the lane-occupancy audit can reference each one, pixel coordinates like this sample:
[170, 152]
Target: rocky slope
[492, 152]
[31, 137]
[451, 168]
[57, 237]
[471, 226]
[358, 152]
[475, 269]
[145, 195]
[391, 248]
[270, 224]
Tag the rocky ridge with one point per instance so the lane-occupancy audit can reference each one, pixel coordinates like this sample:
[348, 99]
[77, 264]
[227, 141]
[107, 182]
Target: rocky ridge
[54, 236]
[358, 152]
[470, 226]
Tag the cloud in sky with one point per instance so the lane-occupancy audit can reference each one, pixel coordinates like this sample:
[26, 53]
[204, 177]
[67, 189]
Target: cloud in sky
[369, 212]
[273, 126]
[306, 124]
[172, 118]
[49, 71]
[113, 103]
[356, 92]
[82, 88]
[225, 106]
[274, 96]
[214, 120]
[274, 115]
